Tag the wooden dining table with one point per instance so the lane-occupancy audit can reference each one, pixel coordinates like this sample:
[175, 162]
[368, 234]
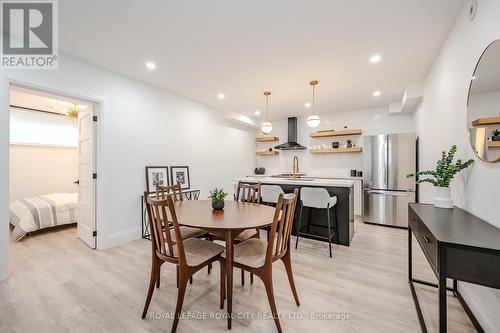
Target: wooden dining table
[231, 221]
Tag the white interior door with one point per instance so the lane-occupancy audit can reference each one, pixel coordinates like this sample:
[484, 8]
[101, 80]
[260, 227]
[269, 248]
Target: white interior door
[87, 183]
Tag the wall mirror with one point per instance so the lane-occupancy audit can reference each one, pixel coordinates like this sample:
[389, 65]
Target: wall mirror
[483, 115]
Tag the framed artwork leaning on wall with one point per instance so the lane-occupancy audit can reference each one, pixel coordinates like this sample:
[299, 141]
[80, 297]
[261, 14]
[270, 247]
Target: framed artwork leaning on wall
[156, 175]
[180, 174]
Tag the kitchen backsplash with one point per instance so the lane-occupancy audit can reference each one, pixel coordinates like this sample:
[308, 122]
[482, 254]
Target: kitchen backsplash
[371, 121]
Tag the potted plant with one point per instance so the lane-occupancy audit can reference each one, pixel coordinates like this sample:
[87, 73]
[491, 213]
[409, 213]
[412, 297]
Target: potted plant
[349, 143]
[217, 197]
[441, 177]
[495, 135]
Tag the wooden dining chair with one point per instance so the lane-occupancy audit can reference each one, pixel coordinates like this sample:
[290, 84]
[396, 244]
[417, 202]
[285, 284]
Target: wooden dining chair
[248, 192]
[163, 190]
[186, 232]
[257, 256]
[245, 193]
[175, 190]
[188, 255]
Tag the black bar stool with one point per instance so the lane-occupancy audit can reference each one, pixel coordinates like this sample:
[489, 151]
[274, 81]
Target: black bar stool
[318, 198]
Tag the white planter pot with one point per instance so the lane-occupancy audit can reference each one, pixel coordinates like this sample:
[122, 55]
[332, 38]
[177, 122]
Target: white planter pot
[443, 198]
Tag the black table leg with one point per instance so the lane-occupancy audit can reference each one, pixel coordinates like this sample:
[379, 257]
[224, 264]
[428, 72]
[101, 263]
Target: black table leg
[410, 272]
[411, 281]
[442, 292]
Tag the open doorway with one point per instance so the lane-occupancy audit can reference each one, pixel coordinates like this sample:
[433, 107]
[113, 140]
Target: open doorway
[52, 156]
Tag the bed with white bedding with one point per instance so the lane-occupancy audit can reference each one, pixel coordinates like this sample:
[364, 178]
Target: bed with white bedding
[44, 211]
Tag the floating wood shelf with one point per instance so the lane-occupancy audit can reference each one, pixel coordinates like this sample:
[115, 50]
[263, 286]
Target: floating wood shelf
[486, 121]
[494, 144]
[332, 133]
[336, 150]
[267, 139]
[267, 153]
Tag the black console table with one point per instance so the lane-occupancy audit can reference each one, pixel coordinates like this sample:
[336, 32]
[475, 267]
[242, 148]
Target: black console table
[458, 246]
[146, 234]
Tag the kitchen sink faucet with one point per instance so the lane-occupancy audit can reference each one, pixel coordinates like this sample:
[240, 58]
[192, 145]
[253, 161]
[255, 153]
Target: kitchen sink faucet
[295, 167]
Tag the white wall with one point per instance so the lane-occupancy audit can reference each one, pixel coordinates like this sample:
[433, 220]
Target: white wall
[36, 170]
[371, 121]
[442, 121]
[4, 179]
[143, 126]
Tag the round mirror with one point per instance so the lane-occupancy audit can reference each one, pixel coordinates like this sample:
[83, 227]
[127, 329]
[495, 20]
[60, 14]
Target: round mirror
[483, 116]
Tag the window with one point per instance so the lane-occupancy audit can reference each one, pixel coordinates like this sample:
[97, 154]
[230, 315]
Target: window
[38, 128]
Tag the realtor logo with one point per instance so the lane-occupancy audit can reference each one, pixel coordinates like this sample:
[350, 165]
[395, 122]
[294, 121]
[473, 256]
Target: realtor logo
[29, 39]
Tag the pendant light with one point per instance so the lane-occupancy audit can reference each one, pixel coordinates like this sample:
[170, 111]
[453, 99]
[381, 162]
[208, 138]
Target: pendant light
[267, 127]
[313, 120]
[73, 112]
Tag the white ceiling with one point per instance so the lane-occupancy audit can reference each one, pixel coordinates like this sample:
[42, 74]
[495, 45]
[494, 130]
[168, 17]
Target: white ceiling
[241, 48]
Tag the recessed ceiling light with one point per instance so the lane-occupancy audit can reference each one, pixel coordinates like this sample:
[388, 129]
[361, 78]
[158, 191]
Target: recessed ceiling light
[150, 65]
[375, 58]
[376, 93]
[307, 105]
[221, 96]
[257, 112]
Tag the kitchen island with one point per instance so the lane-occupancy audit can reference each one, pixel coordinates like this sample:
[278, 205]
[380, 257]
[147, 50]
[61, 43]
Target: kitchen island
[317, 219]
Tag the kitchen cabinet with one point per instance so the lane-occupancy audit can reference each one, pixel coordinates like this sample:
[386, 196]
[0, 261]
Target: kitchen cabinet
[358, 197]
[317, 219]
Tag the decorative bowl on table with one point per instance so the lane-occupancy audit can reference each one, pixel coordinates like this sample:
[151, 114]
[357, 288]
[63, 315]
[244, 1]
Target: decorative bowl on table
[218, 205]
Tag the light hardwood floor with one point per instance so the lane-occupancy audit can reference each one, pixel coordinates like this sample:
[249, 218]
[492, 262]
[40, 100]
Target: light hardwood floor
[57, 284]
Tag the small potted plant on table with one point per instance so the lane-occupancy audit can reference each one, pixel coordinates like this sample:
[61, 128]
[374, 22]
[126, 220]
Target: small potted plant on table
[217, 197]
[441, 177]
[349, 143]
[495, 135]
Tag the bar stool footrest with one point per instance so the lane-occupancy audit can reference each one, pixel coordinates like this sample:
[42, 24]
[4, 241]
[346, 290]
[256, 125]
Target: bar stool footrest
[300, 233]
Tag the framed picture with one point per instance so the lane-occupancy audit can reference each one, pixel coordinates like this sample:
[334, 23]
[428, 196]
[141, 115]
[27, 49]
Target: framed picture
[180, 174]
[156, 175]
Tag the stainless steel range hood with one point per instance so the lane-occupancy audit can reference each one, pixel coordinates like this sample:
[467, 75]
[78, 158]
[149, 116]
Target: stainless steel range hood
[292, 137]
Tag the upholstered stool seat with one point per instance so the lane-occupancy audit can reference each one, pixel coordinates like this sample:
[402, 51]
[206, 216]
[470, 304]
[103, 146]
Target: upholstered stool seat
[270, 193]
[319, 198]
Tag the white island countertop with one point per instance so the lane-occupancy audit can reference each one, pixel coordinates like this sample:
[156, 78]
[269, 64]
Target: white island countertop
[300, 181]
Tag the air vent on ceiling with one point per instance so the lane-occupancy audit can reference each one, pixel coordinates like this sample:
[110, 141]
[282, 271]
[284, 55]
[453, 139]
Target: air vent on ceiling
[472, 9]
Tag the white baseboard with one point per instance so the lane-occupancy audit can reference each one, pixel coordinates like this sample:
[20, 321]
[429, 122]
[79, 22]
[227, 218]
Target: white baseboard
[484, 303]
[120, 238]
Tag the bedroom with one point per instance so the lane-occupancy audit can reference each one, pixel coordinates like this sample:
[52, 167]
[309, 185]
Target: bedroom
[44, 163]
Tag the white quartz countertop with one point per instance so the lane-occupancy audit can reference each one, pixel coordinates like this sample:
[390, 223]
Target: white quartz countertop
[312, 176]
[304, 181]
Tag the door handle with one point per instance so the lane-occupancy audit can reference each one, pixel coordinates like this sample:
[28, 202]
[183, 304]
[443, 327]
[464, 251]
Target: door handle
[427, 240]
[77, 182]
[390, 194]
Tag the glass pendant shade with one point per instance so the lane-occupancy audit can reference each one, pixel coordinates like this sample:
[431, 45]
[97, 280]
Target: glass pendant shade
[313, 121]
[266, 127]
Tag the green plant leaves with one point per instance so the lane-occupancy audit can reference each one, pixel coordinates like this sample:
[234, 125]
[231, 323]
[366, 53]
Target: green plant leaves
[445, 169]
[217, 195]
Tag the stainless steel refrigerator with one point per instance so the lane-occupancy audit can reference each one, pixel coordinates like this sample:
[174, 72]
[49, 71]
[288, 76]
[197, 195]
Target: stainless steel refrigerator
[387, 159]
